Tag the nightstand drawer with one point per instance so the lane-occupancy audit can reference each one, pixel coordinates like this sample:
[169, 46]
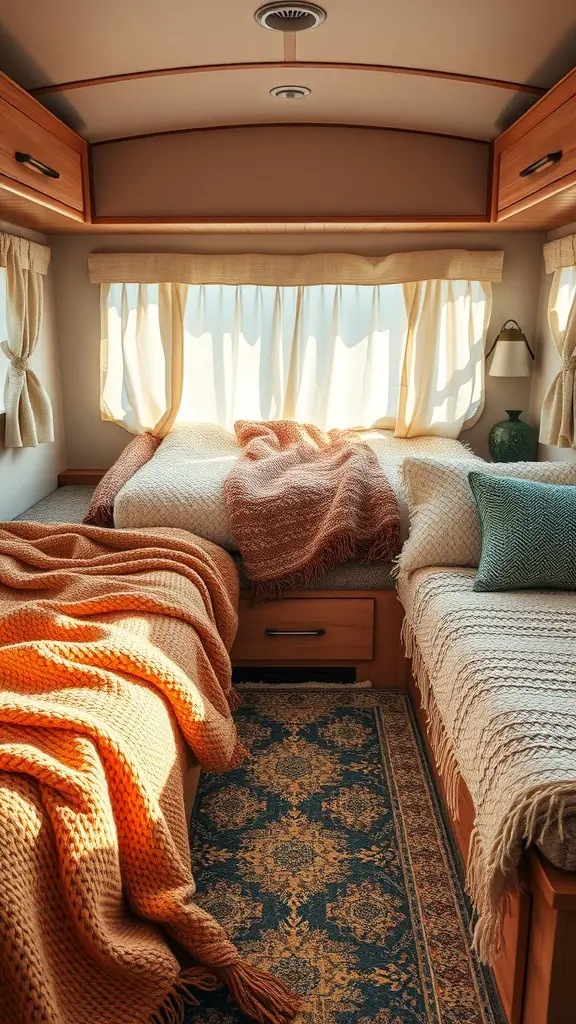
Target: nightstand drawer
[311, 629]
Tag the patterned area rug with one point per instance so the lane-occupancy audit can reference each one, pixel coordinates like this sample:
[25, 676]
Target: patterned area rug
[327, 860]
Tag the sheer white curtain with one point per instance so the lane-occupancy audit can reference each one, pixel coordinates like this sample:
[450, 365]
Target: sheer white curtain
[3, 333]
[399, 350]
[326, 354]
[442, 388]
[558, 421]
[141, 355]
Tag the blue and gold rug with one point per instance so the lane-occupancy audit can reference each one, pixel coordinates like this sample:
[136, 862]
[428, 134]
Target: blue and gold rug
[327, 860]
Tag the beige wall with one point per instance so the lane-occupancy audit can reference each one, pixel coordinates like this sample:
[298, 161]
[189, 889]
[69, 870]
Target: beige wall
[547, 362]
[92, 443]
[28, 474]
[291, 171]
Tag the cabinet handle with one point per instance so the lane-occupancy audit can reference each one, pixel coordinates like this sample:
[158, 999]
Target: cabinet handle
[295, 632]
[539, 165]
[36, 165]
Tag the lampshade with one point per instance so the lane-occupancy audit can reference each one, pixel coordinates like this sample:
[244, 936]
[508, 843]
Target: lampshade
[512, 356]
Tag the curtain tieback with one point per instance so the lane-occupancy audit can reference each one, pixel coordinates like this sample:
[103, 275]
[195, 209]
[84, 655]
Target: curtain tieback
[569, 362]
[18, 362]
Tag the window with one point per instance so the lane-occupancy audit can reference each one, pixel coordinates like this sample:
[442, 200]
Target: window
[326, 354]
[396, 342]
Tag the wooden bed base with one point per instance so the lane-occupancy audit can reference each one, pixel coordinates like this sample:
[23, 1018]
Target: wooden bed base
[536, 977]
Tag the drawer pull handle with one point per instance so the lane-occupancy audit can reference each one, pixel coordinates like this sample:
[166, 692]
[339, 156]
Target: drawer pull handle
[295, 632]
[539, 165]
[36, 165]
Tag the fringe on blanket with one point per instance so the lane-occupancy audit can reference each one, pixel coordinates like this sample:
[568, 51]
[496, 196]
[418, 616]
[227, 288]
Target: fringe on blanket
[261, 996]
[439, 740]
[341, 548]
[491, 877]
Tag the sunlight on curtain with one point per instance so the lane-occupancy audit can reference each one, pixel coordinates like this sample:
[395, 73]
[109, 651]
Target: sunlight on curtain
[442, 388]
[3, 334]
[409, 357]
[141, 355]
[562, 296]
[327, 354]
[558, 418]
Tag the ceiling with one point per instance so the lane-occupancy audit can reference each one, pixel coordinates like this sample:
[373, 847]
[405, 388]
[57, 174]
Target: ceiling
[456, 67]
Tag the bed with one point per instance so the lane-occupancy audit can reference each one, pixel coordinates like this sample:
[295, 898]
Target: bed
[496, 677]
[182, 484]
[114, 663]
[350, 621]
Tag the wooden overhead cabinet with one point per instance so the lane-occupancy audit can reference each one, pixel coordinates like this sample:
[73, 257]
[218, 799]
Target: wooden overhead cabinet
[535, 162]
[43, 164]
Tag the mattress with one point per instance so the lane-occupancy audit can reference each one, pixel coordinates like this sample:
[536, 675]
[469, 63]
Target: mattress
[70, 504]
[493, 663]
[182, 485]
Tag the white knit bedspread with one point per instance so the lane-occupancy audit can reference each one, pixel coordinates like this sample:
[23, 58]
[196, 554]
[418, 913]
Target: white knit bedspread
[182, 484]
[502, 671]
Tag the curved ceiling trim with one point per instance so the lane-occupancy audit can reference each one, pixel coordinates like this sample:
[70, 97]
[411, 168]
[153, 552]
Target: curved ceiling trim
[287, 124]
[194, 69]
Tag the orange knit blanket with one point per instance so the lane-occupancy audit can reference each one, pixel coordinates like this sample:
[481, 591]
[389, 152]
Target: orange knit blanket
[302, 500]
[113, 650]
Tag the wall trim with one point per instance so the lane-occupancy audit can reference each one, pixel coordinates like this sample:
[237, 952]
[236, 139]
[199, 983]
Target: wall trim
[194, 69]
[291, 124]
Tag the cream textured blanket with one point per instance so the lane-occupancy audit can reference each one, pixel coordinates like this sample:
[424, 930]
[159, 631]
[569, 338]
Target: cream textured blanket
[301, 501]
[113, 646]
[497, 673]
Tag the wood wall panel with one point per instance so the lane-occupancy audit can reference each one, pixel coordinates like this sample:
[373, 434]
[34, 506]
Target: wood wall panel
[301, 172]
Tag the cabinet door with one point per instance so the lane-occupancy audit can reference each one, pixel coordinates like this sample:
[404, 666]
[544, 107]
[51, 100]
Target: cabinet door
[53, 168]
[545, 155]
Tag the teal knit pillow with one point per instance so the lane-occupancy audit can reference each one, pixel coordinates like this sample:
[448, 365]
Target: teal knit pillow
[528, 533]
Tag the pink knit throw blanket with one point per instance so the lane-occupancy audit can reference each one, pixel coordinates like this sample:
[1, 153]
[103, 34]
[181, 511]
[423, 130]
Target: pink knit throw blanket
[301, 500]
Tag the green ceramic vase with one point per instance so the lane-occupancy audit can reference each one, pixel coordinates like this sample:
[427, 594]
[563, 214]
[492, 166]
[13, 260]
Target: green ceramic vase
[512, 440]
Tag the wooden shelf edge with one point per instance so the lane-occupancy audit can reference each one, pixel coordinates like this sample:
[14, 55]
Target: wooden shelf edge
[304, 221]
[80, 476]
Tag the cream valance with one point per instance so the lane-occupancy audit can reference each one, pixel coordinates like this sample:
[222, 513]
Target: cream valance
[560, 253]
[295, 271]
[30, 256]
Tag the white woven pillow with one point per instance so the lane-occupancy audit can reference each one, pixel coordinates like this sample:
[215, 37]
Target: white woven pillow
[182, 486]
[444, 526]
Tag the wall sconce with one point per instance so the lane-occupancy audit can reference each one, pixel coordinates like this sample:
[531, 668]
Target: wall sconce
[513, 356]
[512, 440]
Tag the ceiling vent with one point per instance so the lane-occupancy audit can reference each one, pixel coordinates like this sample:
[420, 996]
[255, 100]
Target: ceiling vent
[290, 92]
[286, 17]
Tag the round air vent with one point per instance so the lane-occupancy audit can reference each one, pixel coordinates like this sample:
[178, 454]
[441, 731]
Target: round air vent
[286, 17]
[290, 92]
